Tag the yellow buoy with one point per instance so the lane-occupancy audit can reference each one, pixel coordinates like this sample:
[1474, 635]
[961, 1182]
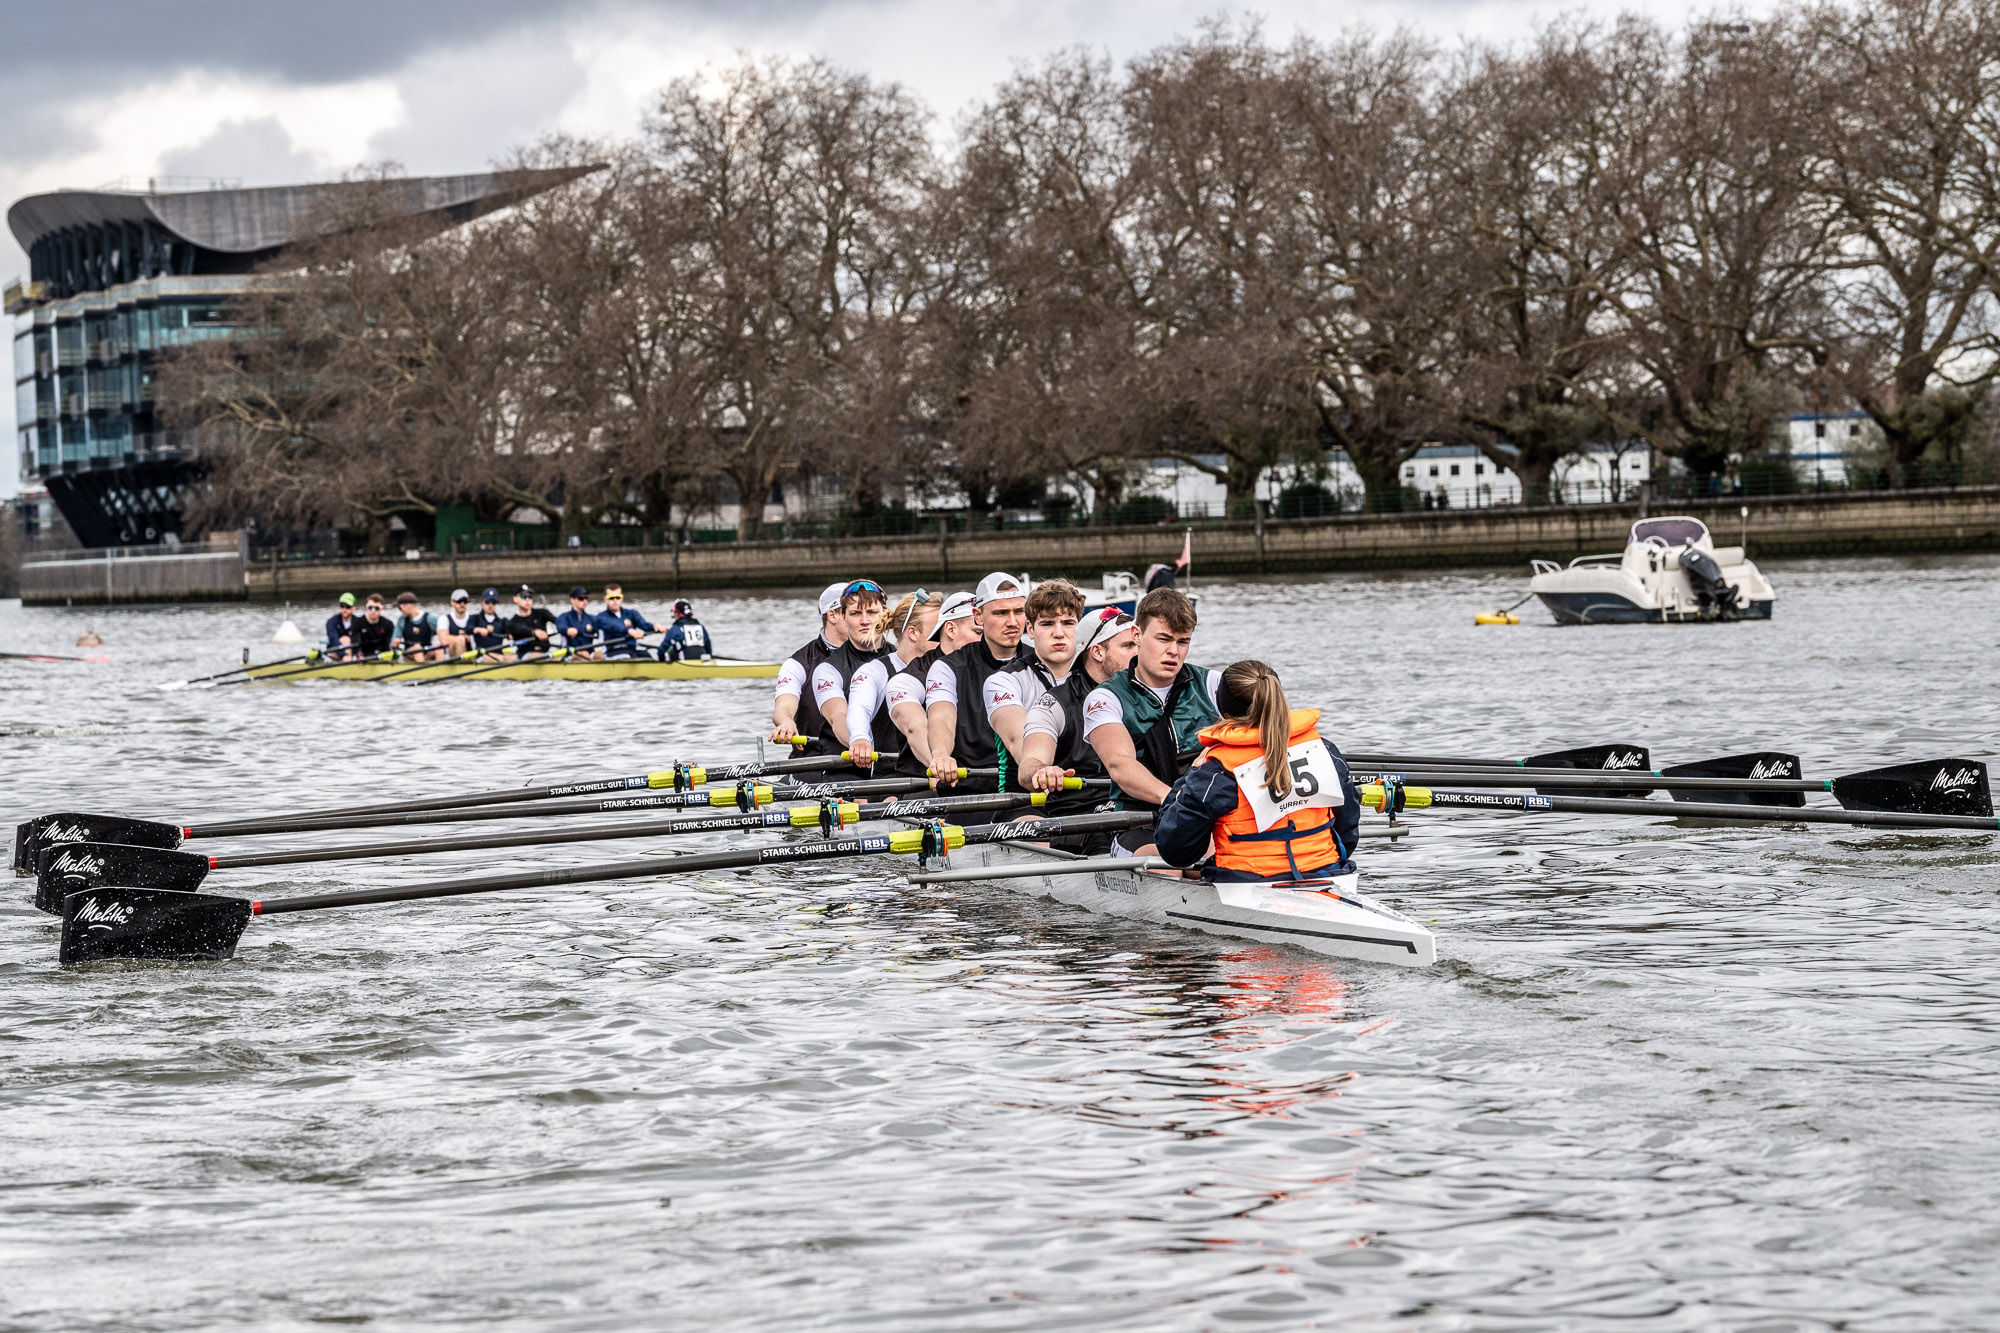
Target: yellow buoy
[1496, 618]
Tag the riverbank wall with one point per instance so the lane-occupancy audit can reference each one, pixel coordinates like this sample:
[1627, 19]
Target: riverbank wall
[1833, 523]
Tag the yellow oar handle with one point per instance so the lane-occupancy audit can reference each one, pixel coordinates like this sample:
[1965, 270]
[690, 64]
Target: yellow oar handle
[956, 772]
[912, 840]
[807, 816]
[727, 795]
[1414, 798]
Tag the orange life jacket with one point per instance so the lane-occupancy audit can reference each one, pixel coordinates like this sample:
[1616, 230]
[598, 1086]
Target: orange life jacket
[1298, 843]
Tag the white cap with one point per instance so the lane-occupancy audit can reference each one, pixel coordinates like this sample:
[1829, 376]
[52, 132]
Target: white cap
[1098, 626]
[996, 586]
[956, 607]
[458, 593]
[830, 599]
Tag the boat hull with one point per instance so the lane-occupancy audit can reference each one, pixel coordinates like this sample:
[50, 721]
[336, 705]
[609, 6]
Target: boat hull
[629, 668]
[1338, 921]
[1607, 608]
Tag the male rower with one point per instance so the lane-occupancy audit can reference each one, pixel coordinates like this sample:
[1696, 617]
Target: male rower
[955, 687]
[372, 632]
[1145, 722]
[622, 626]
[1053, 610]
[416, 631]
[793, 713]
[340, 629]
[687, 638]
[487, 625]
[576, 628]
[1053, 747]
[861, 604]
[530, 627]
[904, 694]
[454, 631]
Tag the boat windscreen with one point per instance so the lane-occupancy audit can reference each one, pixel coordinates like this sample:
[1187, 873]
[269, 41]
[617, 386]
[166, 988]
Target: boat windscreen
[1672, 531]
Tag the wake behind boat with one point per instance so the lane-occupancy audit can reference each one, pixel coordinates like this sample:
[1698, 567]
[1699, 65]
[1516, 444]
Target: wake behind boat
[1670, 570]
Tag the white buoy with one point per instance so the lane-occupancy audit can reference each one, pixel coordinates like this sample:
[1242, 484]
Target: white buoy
[288, 632]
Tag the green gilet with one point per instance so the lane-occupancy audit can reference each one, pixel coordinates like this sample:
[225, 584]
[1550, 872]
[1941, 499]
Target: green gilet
[1165, 758]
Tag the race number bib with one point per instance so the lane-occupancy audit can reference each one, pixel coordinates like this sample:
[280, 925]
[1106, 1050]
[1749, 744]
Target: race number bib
[694, 636]
[1315, 783]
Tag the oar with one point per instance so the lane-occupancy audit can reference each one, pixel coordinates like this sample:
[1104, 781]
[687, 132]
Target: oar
[74, 867]
[309, 656]
[551, 655]
[118, 922]
[48, 657]
[1933, 786]
[1614, 757]
[352, 659]
[475, 655]
[1424, 797]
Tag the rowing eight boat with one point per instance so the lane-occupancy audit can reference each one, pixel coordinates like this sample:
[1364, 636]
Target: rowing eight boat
[1337, 920]
[622, 668]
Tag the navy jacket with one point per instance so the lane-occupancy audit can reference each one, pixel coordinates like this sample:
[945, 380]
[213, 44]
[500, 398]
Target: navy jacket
[335, 630]
[1208, 791]
[622, 630]
[582, 622]
[688, 640]
[485, 629]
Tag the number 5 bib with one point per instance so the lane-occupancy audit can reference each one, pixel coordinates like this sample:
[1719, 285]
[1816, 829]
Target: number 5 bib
[1315, 783]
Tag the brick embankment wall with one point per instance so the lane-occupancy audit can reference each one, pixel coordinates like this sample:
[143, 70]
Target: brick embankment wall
[1867, 523]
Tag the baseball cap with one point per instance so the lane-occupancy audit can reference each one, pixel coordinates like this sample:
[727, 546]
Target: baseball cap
[460, 595]
[956, 607]
[524, 591]
[490, 595]
[996, 586]
[1099, 625]
[579, 591]
[829, 600]
[347, 599]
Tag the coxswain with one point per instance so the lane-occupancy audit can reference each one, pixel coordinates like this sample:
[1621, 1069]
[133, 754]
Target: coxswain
[1052, 745]
[793, 712]
[1270, 794]
[1145, 722]
[455, 630]
[530, 627]
[487, 625]
[687, 638]
[373, 633]
[622, 626]
[871, 726]
[416, 631]
[340, 629]
[955, 686]
[576, 628]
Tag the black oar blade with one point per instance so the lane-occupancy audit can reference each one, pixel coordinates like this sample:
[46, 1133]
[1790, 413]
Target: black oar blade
[1613, 758]
[72, 867]
[116, 922]
[1935, 787]
[52, 830]
[1758, 766]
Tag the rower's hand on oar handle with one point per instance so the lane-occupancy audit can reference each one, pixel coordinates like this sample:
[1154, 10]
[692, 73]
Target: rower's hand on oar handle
[944, 771]
[1407, 798]
[1055, 778]
[861, 752]
[784, 734]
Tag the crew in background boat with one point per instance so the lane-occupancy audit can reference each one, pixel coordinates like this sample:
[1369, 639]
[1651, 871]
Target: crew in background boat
[1052, 746]
[576, 628]
[372, 632]
[530, 627]
[340, 629]
[454, 631]
[955, 686]
[1269, 794]
[793, 712]
[871, 726]
[416, 631]
[1145, 722]
[687, 638]
[623, 626]
[487, 625]
[861, 605]
[956, 628]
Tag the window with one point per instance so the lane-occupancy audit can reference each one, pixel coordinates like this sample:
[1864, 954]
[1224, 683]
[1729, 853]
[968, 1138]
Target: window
[1634, 465]
[1819, 430]
[1434, 469]
[1410, 471]
[1454, 469]
[1854, 430]
[1479, 469]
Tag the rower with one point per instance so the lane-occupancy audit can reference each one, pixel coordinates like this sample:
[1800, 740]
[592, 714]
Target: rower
[687, 639]
[486, 624]
[956, 628]
[861, 604]
[340, 629]
[793, 713]
[1272, 794]
[576, 628]
[955, 686]
[454, 631]
[372, 632]
[1053, 747]
[1053, 610]
[871, 725]
[416, 631]
[1145, 722]
[528, 629]
[623, 626]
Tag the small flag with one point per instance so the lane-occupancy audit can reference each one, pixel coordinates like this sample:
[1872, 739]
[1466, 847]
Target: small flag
[1187, 550]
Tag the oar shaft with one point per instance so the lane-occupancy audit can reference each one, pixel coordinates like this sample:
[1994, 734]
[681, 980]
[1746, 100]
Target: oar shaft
[1586, 780]
[1603, 805]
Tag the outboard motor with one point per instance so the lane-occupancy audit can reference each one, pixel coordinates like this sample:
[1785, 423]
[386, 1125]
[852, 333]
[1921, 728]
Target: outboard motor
[1719, 600]
[1159, 576]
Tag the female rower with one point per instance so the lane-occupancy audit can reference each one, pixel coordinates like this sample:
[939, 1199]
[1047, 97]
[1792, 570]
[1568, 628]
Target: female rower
[908, 626]
[1268, 793]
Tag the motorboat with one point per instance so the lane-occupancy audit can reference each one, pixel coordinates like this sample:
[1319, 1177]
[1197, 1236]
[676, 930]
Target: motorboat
[1670, 570]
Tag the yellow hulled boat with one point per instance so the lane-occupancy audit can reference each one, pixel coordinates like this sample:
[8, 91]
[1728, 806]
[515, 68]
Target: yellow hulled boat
[564, 668]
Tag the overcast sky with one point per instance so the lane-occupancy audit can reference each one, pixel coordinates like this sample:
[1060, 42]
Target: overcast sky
[269, 94]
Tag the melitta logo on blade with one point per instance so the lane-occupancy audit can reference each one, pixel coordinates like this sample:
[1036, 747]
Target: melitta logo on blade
[1961, 780]
[1018, 828]
[76, 863]
[1629, 759]
[100, 915]
[1776, 768]
[65, 833]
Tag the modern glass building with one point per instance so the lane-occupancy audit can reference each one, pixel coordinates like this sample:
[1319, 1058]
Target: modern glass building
[118, 277]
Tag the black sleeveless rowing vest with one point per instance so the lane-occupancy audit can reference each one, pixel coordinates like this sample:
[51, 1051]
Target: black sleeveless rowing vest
[907, 764]
[808, 722]
[975, 745]
[847, 659]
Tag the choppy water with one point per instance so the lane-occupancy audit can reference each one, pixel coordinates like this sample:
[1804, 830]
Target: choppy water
[1663, 1076]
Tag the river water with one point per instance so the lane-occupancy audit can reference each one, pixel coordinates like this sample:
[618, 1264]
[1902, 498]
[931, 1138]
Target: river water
[1663, 1076]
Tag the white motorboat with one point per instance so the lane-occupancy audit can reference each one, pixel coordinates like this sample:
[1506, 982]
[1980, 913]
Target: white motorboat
[1335, 919]
[1670, 570]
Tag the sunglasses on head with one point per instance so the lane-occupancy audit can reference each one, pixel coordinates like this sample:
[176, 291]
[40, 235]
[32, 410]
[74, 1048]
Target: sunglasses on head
[862, 585]
[917, 599]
